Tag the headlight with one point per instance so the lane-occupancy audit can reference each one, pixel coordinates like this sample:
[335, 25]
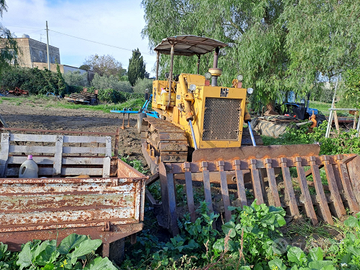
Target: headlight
[192, 87]
[250, 91]
[240, 78]
[207, 76]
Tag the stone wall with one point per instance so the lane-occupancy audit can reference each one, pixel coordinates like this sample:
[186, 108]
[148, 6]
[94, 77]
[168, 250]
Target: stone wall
[35, 51]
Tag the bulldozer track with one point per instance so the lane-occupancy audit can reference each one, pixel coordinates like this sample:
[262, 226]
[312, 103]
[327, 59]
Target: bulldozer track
[166, 141]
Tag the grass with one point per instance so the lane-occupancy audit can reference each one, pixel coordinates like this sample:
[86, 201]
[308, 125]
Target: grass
[47, 102]
[321, 106]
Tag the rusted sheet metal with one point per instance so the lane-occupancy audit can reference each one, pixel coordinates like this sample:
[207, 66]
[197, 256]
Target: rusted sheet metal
[46, 205]
[41, 208]
[330, 199]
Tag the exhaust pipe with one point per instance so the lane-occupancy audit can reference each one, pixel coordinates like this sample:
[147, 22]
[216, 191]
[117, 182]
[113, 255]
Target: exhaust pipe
[215, 71]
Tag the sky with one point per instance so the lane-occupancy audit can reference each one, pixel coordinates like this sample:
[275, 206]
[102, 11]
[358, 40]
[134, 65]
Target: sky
[71, 23]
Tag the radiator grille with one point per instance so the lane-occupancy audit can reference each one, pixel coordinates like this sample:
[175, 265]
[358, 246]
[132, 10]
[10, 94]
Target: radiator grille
[221, 119]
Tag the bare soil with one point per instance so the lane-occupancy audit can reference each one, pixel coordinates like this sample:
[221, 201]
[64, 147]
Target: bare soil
[23, 112]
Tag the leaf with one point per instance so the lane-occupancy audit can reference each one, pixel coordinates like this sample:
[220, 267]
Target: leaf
[351, 222]
[322, 265]
[316, 254]
[296, 255]
[84, 248]
[229, 229]
[45, 253]
[219, 245]
[70, 242]
[3, 250]
[101, 264]
[277, 264]
[25, 256]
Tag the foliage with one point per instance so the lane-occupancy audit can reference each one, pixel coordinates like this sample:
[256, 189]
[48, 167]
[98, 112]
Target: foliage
[34, 80]
[142, 85]
[351, 97]
[325, 42]
[136, 164]
[9, 49]
[76, 79]
[270, 42]
[111, 96]
[254, 230]
[74, 252]
[136, 69]
[342, 143]
[104, 65]
[106, 82]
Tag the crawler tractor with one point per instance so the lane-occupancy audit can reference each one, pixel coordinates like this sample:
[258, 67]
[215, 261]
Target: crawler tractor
[200, 137]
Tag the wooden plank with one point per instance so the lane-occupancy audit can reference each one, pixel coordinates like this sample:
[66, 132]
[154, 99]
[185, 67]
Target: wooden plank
[320, 194]
[108, 148]
[81, 171]
[345, 180]
[256, 182]
[240, 183]
[224, 190]
[335, 195]
[189, 191]
[272, 182]
[309, 207]
[106, 167]
[294, 210]
[207, 187]
[84, 150]
[82, 160]
[84, 139]
[40, 160]
[58, 154]
[30, 150]
[4, 154]
[32, 138]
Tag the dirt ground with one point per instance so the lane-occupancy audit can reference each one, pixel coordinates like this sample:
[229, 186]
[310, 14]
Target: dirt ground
[22, 112]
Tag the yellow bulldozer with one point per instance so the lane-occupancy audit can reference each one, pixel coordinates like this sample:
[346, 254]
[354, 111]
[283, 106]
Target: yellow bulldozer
[200, 137]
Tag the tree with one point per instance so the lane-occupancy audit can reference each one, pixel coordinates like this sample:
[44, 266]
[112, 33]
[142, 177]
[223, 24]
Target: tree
[76, 78]
[111, 82]
[136, 67]
[276, 45]
[104, 65]
[8, 46]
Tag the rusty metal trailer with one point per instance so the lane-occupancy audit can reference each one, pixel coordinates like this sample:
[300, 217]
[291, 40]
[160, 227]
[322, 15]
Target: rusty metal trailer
[81, 189]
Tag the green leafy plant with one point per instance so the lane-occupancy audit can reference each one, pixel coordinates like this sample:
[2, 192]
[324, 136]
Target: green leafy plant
[253, 230]
[74, 252]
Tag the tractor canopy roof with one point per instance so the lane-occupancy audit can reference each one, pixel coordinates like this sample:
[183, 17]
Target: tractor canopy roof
[188, 45]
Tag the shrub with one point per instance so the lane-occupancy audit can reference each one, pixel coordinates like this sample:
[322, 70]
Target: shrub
[111, 95]
[142, 84]
[34, 80]
[111, 82]
[76, 78]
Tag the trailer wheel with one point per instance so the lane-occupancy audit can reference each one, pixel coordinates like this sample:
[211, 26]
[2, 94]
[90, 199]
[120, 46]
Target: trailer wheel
[271, 129]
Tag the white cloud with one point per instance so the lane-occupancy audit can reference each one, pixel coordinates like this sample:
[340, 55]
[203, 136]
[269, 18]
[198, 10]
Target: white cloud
[117, 23]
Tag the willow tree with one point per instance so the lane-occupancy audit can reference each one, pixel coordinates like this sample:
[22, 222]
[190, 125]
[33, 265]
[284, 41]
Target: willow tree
[256, 40]
[8, 45]
[323, 40]
[276, 45]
